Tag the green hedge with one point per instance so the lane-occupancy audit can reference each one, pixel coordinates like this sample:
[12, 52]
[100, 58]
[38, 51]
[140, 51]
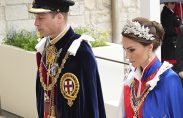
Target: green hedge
[27, 40]
[23, 39]
[99, 36]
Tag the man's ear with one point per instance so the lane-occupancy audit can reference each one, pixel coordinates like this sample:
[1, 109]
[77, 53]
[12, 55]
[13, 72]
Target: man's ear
[60, 16]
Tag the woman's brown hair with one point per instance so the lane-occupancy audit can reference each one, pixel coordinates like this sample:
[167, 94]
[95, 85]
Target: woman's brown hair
[155, 29]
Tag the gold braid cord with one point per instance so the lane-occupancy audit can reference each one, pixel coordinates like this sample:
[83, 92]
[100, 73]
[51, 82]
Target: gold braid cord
[50, 86]
[136, 102]
[51, 56]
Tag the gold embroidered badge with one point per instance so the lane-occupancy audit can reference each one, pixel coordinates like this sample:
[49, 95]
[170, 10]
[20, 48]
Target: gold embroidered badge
[50, 55]
[69, 86]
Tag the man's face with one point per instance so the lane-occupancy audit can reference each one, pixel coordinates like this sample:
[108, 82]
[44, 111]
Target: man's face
[46, 24]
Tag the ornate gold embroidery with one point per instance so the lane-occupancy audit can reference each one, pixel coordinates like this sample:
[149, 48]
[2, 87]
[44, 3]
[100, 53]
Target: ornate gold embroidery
[48, 87]
[69, 86]
[53, 72]
[50, 56]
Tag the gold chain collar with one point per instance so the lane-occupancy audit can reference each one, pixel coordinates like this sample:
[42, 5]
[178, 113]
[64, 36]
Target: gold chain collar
[47, 86]
[136, 102]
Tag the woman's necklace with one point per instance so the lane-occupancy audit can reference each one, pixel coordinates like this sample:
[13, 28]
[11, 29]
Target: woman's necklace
[135, 101]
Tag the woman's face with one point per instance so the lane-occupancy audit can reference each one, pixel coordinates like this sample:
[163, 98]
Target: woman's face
[137, 54]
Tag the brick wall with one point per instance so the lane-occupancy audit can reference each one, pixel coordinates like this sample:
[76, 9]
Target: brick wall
[95, 13]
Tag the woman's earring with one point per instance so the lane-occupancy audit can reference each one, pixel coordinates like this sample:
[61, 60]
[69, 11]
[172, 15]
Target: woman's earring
[149, 56]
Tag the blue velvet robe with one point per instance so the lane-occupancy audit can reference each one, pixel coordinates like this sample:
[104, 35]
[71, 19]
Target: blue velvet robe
[165, 100]
[89, 102]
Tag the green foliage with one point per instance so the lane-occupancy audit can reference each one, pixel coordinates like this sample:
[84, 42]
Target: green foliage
[99, 36]
[83, 30]
[22, 39]
[27, 40]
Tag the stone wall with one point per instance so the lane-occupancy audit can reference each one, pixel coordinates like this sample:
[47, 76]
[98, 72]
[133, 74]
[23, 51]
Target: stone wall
[129, 9]
[95, 13]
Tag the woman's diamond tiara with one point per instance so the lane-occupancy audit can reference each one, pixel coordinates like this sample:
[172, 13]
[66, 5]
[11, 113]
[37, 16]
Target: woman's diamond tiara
[138, 30]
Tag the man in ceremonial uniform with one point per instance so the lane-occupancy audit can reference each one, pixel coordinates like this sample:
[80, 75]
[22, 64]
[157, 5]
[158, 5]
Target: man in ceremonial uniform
[68, 83]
